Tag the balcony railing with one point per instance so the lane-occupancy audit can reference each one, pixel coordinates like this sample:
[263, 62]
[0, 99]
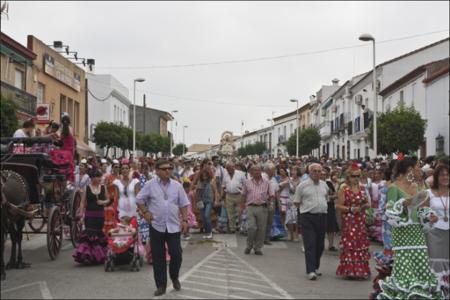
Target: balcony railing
[25, 101]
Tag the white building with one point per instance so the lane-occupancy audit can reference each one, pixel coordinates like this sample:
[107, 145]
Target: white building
[426, 88]
[107, 101]
[362, 105]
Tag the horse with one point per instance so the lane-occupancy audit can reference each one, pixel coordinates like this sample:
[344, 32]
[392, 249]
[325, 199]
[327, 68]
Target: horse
[15, 199]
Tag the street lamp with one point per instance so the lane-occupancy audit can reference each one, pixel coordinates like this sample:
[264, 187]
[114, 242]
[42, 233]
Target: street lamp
[184, 145]
[296, 149]
[171, 129]
[365, 37]
[134, 114]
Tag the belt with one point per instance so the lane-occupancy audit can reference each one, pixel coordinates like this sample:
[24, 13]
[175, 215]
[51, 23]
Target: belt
[234, 193]
[253, 204]
[316, 214]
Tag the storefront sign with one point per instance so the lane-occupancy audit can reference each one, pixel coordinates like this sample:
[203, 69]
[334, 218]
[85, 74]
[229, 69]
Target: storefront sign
[61, 73]
[43, 113]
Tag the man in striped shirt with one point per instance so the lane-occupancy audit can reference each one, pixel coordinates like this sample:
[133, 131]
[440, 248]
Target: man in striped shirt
[257, 195]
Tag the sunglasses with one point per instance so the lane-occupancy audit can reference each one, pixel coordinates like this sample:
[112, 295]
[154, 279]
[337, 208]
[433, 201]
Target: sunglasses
[166, 169]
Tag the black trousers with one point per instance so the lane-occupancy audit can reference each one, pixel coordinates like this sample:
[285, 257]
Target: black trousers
[313, 226]
[158, 242]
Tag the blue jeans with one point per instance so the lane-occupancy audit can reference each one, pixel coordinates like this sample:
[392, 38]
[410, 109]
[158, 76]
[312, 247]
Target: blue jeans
[206, 217]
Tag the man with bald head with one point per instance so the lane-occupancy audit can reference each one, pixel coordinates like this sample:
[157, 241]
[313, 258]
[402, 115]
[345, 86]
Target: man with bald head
[257, 195]
[312, 196]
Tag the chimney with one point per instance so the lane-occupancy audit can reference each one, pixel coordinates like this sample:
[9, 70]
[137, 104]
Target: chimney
[335, 81]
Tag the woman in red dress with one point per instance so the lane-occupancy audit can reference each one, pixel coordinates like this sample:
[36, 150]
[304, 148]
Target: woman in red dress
[354, 245]
[68, 145]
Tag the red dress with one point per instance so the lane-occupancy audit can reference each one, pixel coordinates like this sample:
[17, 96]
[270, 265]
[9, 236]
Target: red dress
[354, 245]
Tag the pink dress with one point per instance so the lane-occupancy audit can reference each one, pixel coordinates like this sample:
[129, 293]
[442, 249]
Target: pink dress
[65, 156]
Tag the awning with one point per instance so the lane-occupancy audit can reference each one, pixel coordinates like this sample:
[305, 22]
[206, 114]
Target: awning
[84, 150]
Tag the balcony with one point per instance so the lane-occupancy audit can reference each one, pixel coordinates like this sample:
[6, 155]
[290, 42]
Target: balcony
[25, 102]
[325, 130]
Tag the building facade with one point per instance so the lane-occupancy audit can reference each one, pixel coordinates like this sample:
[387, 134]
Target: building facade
[61, 85]
[426, 88]
[18, 76]
[150, 120]
[107, 101]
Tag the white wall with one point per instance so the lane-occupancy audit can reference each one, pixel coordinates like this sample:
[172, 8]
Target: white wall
[437, 108]
[114, 108]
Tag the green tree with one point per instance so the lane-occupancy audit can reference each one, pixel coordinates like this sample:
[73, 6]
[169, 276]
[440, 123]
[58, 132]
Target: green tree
[251, 149]
[105, 135]
[178, 149]
[9, 121]
[308, 140]
[401, 129]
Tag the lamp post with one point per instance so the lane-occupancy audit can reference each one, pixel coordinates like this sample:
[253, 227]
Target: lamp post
[184, 145]
[296, 122]
[365, 37]
[134, 114]
[171, 129]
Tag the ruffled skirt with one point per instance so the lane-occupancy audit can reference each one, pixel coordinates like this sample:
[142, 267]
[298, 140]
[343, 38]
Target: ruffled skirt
[92, 248]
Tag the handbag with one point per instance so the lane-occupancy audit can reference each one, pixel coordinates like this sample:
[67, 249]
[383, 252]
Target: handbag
[200, 204]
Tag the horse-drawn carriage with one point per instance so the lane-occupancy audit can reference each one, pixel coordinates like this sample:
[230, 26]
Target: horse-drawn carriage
[35, 188]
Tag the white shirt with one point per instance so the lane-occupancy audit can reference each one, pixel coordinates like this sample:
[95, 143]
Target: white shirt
[312, 197]
[220, 172]
[127, 204]
[437, 205]
[234, 185]
[20, 133]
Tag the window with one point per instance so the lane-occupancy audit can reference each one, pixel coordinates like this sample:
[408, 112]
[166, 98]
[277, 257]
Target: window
[19, 79]
[76, 118]
[284, 131]
[124, 117]
[291, 129]
[414, 86]
[114, 115]
[62, 104]
[40, 95]
[401, 97]
[70, 107]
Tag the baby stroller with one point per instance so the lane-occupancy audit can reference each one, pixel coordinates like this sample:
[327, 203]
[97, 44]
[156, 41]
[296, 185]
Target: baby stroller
[123, 248]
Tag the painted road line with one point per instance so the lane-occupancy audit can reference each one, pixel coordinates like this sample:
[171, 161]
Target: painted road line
[273, 284]
[45, 292]
[225, 239]
[223, 264]
[192, 270]
[228, 275]
[213, 293]
[228, 269]
[188, 297]
[230, 280]
[228, 288]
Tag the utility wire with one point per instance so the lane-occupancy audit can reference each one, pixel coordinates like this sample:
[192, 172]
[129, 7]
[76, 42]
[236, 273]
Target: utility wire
[97, 98]
[265, 58]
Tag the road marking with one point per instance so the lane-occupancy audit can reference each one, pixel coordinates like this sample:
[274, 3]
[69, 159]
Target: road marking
[45, 292]
[189, 297]
[233, 288]
[225, 239]
[237, 276]
[223, 263]
[213, 293]
[272, 284]
[228, 269]
[229, 280]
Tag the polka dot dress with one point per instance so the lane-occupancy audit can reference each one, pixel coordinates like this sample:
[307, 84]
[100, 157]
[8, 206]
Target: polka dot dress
[411, 277]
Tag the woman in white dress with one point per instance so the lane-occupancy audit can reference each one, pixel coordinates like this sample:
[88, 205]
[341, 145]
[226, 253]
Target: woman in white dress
[438, 233]
[127, 190]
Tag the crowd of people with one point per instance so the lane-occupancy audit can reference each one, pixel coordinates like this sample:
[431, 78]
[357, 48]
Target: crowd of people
[401, 204]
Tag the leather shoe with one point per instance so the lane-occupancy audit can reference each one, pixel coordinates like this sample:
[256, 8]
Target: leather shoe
[247, 251]
[257, 252]
[160, 291]
[176, 284]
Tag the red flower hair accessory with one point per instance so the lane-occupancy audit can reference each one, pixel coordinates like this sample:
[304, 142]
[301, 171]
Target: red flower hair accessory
[125, 161]
[400, 156]
[355, 166]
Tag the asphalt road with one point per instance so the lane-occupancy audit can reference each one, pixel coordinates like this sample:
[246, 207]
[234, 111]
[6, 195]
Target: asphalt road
[211, 269]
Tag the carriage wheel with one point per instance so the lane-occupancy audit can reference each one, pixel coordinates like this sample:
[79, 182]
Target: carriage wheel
[75, 224]
[39, 215]
[54, 232]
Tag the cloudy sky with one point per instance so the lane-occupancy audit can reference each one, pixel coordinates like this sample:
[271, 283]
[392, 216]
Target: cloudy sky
[156, 40]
